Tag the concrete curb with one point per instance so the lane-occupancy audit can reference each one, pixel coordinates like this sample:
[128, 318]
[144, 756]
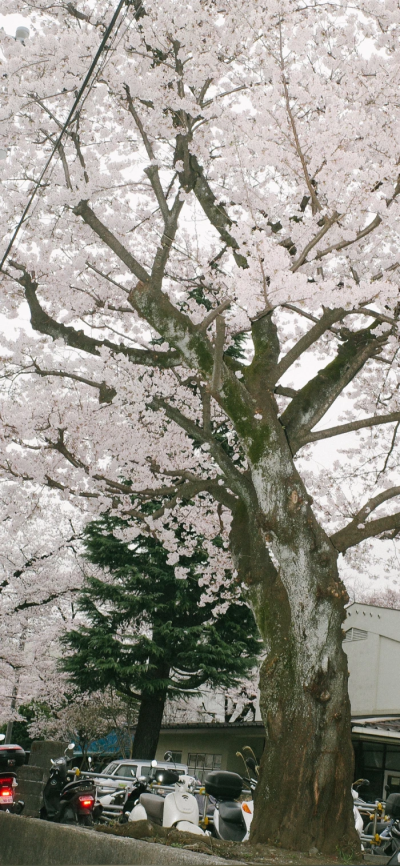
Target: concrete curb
[31, 842]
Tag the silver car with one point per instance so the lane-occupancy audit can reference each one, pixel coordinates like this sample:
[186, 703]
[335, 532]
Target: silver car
[122, 771]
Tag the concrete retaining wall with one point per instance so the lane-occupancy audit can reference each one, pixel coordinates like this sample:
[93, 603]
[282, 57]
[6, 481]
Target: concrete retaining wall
[30, 842]
[30, 789]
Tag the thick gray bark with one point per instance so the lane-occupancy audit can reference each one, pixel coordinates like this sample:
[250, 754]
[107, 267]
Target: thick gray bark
[289, 566]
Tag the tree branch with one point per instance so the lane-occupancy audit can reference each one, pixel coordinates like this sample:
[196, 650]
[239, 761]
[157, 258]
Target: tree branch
[216, 381]
[237, 482]
[352, 535]
[152, 171]
[45, 324]
[207, 321]
[312, 402]
[192, 178]
[315, 204]
[153, 305]
[341, 245]
[328, 223]
[163, 251]
[89, 217]
[381, 472]
[373, 421]
[323, 324]
[106, 394]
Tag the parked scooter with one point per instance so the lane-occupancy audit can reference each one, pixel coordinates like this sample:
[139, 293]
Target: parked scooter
[387, 839]
[11, 756]
[178, 809]
[231, 820]
[67, 799]
[118, 801]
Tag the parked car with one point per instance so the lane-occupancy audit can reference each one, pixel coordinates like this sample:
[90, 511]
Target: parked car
[124, 770]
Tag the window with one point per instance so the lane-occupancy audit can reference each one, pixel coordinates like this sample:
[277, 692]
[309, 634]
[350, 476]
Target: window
[144, 770]
[392, 758]
[176, 756]
[200, 764]
[373, 758]
[355, 634]
[110, 768]
[127, 770]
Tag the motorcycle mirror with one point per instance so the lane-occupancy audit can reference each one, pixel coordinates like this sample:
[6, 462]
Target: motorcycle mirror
[168, 756]
[89, 760]
[154, 763]
[2, 738]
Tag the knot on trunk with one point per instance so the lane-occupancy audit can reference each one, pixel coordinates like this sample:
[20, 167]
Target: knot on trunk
[333, 590]
[318, 687]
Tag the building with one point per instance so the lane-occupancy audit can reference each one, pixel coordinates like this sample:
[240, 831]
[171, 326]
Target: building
[372, 644]
[206, 746]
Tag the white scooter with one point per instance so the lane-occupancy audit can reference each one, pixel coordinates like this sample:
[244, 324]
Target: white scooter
[178, 809]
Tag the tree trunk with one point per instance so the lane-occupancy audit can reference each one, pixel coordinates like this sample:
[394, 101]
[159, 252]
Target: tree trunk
[303, 798]
[151, 711]
[289, 566]
[148, 727]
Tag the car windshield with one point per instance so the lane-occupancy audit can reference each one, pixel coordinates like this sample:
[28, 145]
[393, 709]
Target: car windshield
[126, 770]
[110, 768]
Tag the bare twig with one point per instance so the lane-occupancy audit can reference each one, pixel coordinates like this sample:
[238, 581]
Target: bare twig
[392, 444]
[315, 204]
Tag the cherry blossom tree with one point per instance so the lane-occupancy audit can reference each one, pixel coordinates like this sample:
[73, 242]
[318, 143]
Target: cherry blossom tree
[381, 598]
[202, 212]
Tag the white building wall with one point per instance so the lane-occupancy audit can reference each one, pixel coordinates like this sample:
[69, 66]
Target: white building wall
[374, 659]
[374, 665]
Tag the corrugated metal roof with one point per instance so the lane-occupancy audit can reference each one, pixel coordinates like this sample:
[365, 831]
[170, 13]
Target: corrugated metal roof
[380, 724]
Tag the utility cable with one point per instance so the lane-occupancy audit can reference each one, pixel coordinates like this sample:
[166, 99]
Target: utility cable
[67, 122]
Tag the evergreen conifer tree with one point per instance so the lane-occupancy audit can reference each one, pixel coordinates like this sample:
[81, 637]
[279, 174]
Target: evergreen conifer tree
[147, 634]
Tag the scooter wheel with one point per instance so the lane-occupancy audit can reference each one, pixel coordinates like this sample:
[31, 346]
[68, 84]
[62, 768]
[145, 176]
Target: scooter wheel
[68, 817]
[86, 820]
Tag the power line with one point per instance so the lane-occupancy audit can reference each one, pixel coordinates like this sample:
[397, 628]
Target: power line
[70, 115]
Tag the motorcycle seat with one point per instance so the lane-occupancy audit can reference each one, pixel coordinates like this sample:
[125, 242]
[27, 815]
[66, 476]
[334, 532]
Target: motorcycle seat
[154, 805]
[231, 812]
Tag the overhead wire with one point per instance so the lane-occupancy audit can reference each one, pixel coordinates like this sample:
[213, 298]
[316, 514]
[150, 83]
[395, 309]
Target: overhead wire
[72, 111]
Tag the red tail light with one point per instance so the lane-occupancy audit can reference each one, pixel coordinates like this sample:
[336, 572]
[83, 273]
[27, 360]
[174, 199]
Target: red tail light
[6, 781]
[6, 792]
[87, 801]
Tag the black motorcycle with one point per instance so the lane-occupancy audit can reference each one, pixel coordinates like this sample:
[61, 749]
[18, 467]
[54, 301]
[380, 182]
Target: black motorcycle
[11, 756]
[68, 799]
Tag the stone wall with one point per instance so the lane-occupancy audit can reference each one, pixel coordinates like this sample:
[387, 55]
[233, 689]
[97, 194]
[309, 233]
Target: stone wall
[32, 777]
[29, 842]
